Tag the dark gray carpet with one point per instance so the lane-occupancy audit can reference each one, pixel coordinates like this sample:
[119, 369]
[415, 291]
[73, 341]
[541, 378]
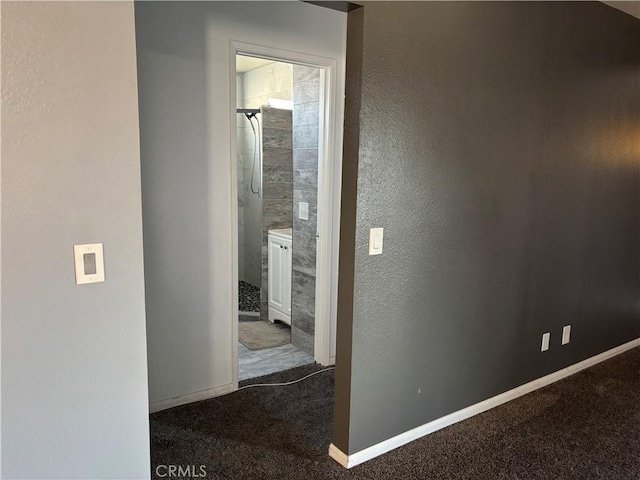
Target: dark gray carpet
[584, 427]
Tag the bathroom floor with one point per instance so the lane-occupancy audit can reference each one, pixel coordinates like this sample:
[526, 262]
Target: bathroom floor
[255, 363]
[270, 360]
[248, 297]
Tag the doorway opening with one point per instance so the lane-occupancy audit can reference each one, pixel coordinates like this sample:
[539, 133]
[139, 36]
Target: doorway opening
[278, 136]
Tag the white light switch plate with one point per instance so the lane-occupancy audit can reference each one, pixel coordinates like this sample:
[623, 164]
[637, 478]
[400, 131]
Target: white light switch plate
[375, 241]
[566, 334]
[545, 342]
[303, 211]
[89, 263]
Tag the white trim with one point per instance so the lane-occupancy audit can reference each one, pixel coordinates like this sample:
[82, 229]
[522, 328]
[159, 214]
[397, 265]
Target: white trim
[326, 229]
[385, 446]
[235, 274]
[329, 187]
[191, 397]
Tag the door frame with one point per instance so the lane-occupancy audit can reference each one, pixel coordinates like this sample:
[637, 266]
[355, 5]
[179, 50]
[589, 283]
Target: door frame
[329, 190]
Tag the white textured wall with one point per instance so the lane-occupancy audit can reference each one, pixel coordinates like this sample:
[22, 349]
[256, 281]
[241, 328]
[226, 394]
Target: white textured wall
[184, 77]
[74, 372]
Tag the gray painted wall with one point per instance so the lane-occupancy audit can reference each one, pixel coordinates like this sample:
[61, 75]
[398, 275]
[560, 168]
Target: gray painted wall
[306, 120]
[498, 149]
[74, 370]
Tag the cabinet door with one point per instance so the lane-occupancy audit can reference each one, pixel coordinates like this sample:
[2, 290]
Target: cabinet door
[276, 260]
[287, 273]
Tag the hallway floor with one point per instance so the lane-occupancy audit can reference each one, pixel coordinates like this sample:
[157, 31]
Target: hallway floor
[584, 427]
[255, 363]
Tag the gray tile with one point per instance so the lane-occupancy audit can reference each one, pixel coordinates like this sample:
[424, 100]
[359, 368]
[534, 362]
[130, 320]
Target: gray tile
[304, 304]
[277, 176]
[275, 223]
[305, 158]
[264, 311]
[301, 320]
[274, 360]
[273, 155]
[309, 196]
[274, 353]
[306, 114]
[306, 226]
[277, 190]
[306, 92]
[248, 359]
[303, 73]
[303, 260]
[305, 180]
[307, 270]
[305, 136]
[276, 118]
[296, 360]
[274, 207]
[302, 340]
[273, 137]
[277, 173]
[287, 348]
[302, 284]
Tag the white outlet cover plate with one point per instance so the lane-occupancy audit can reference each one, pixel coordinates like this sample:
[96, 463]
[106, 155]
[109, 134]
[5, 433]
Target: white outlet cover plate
[375, 241]
[566, 334]
[303, 211]
[89, 263]
[545, 342]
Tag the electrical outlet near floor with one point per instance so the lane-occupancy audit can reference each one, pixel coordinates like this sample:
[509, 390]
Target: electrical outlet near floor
[566, 334]
[545, 342]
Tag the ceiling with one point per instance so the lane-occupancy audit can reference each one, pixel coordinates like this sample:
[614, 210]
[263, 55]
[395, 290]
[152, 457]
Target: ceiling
[632, 7]
[244, 64]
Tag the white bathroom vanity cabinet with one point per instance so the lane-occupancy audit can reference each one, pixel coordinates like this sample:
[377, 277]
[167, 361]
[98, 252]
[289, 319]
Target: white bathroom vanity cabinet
[279, 264]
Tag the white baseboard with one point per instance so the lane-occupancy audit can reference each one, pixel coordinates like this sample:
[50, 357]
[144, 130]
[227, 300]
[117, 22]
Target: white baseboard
[190, 397]
[385, 446]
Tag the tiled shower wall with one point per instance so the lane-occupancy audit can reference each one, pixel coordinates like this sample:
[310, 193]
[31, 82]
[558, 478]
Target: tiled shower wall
[306, 104]
[277, 185]
[254, 89]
